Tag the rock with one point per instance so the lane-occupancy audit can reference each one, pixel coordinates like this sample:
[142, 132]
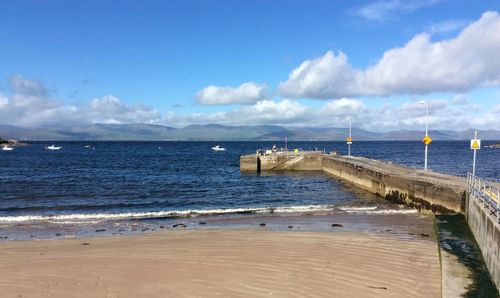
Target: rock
[162, 227]
[182, 225]
[262, 224]
[336, 225]
[424, 235]
[202, 223]
[100, 230]
[57, 234]
[290, 227]
[86, 243]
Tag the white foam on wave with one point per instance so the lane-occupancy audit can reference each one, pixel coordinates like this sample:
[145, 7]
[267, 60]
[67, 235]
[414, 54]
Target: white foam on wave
[99, 217]
[393, 211]
[357, 209]
[375, 210]
[92, 217]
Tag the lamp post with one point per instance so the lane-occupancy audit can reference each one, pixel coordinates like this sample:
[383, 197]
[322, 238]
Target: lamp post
[426, 130]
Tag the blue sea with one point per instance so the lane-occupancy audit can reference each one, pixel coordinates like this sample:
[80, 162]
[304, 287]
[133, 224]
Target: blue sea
[117, 187]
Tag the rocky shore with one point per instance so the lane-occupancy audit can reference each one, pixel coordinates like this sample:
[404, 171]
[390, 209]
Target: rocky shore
[11, 142]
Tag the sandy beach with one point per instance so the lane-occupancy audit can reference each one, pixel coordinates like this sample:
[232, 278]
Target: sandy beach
[222, 263]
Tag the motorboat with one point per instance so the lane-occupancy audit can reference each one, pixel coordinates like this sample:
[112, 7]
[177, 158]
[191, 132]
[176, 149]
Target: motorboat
[87, 146]
[218, 148]
[7, 148]
[53, 147]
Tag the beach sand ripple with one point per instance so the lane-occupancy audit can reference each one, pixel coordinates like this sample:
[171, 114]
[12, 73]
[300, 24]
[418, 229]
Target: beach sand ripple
[222, 263]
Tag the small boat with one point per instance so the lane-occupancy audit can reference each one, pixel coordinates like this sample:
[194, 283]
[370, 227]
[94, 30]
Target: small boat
[7, 148]
[53, 147]
[87, 146]
[218, 148]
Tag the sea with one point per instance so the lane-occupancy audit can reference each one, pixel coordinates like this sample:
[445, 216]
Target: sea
[89, 189]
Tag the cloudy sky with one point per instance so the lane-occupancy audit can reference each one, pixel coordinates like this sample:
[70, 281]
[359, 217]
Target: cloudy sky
[235, 62]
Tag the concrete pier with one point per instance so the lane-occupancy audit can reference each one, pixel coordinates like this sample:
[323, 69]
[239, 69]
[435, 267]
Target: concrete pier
[424, 190]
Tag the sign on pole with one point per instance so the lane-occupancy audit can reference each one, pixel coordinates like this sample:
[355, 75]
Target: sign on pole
[427, 140]
[475, 144]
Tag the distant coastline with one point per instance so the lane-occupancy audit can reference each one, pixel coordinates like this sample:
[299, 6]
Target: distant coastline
[213, 132]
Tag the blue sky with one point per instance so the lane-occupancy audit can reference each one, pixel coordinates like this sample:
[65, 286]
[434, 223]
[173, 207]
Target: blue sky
[231, 62]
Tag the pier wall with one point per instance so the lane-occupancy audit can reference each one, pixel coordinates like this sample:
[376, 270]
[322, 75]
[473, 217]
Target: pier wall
[487, 235]
[281, 162]
[249, 163]
[421, 195]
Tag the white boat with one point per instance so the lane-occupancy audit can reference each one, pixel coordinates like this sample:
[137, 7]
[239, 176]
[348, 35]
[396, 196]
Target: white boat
[53, 147]
[87, 146]
[218, 148]
[7, 148]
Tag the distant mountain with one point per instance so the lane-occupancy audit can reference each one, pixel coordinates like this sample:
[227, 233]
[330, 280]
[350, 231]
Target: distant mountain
[213, 132]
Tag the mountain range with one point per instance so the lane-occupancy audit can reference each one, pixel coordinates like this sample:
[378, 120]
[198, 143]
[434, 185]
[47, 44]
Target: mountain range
[214, 132]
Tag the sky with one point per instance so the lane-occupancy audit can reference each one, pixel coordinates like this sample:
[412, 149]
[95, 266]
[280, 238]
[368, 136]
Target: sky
[312, 63]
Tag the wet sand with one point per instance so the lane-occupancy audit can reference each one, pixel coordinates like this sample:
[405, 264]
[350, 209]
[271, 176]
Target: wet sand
[227, 263]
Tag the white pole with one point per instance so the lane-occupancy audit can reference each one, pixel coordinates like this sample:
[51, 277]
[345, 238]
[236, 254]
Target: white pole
[349, 143]
[474, 158]
[426, 131]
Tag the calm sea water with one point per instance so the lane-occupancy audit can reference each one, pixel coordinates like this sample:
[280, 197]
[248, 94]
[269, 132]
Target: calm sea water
[117, 181]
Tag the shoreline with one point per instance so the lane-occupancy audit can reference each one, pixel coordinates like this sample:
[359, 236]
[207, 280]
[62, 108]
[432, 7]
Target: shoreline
[217, 262]
[402, 223]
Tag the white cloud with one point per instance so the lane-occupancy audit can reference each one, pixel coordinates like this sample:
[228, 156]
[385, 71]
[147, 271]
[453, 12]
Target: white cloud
[470, 60]
[321, 78]
[443, 114]
[30, 105]
[385, 10]
[457, 113]
[246, 93]
[111, 110]
[271, 112]
[342, 107]
[4, 101]
[263, 112]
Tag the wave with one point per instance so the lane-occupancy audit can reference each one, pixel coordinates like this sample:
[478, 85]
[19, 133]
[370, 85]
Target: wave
[357, 209]
[77, 218]
[87, 217]
[375, 210]
[393, 211]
